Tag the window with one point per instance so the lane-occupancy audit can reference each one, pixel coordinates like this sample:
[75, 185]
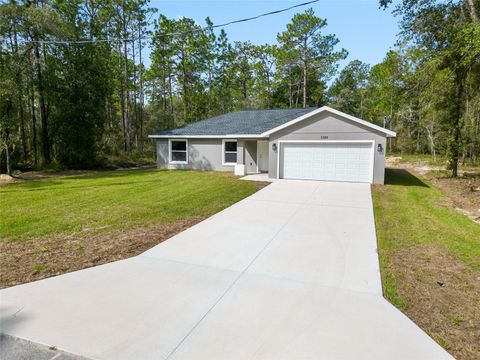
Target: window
[178, 151]
[229, 152]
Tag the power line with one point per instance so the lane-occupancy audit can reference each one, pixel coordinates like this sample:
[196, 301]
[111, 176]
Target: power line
[265, 14]
[86, 41]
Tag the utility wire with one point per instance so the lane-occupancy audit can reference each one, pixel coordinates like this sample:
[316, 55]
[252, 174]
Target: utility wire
[265, 14]
[68, 42]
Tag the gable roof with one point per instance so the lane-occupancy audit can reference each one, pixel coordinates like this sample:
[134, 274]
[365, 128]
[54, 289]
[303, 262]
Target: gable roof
[242, 122]
[257, 123]
[368, 124]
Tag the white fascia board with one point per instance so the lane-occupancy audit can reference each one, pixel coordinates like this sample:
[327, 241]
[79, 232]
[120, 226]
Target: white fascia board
[229, 136]
[387, 132]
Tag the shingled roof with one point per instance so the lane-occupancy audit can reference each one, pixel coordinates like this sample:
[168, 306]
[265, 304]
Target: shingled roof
[243, 122]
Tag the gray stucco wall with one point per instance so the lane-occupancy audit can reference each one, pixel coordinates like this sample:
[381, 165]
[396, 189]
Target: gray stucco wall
[326, 126]
[203, 154]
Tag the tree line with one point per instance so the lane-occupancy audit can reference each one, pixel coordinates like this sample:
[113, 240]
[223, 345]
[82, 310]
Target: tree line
[196, 74]
[74, 88]
[428, 88]
[71, 80]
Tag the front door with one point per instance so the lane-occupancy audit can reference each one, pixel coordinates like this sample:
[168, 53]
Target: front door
[262, 155]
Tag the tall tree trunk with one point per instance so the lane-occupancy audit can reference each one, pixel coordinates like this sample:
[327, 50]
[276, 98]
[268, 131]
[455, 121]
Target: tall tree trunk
[209, 92]
[43, 108]
[432, 143]
[164, 93]
[361, 104]
[305, 84]
[455, 145]
[305, 74]
[473, 11]
[134, 84]
[170, 94]
[290, 85]
[122, 103]
[5, 141]
[127, 100]
[244, 87]
[7, 156]
[184, 87]
[23, 141]
[20, 109]
[298, 93]
[269, 93]
[21, 120]
[33, 123]
[142, 95]
[127, 94]
[135, 108]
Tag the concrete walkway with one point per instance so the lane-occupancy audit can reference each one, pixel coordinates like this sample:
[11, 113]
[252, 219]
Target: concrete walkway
[258, 177]
[290, 272]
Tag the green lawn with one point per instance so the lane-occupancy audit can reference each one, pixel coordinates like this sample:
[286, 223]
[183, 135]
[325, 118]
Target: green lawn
[409, 211]
[430, 261]
[113, 200]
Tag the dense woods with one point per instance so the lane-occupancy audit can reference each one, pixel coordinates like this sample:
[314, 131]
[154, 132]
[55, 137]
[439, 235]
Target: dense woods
[75, 91]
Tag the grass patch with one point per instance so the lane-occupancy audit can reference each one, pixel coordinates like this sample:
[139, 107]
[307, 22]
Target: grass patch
[54, 223]
[430, 260]
[410, 211]
[39, 267]
[99, 202]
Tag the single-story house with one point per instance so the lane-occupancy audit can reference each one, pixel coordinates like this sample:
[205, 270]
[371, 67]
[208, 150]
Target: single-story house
[308, 143]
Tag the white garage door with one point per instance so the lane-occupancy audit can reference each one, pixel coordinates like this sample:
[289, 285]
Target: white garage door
[330, 161]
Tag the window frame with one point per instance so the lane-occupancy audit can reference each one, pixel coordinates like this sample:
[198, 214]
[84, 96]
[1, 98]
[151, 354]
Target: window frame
[170, 161]
[231, 152]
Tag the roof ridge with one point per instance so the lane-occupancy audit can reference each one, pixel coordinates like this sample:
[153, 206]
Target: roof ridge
[246, 121]
[307, 108]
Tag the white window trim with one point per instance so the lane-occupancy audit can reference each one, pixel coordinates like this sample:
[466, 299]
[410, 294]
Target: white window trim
[170, 161]
[223, 152]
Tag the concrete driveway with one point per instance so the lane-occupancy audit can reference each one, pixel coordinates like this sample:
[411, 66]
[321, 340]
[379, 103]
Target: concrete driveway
[290, 272]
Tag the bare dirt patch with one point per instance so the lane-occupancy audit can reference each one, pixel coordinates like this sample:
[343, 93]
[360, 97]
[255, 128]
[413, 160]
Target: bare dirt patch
[461, 193]
[443, 296]
[41, 175]
[22, 262]
[419, 167]
[5, 179]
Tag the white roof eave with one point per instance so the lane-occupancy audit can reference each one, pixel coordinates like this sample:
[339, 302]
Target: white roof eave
[388, 133]
[266, 134]
[228, 136]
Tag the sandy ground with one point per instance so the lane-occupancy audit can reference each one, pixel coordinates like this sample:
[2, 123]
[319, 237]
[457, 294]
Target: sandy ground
[462, 193]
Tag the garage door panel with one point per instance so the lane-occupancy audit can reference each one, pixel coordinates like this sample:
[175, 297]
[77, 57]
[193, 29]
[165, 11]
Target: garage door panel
[327, 161]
